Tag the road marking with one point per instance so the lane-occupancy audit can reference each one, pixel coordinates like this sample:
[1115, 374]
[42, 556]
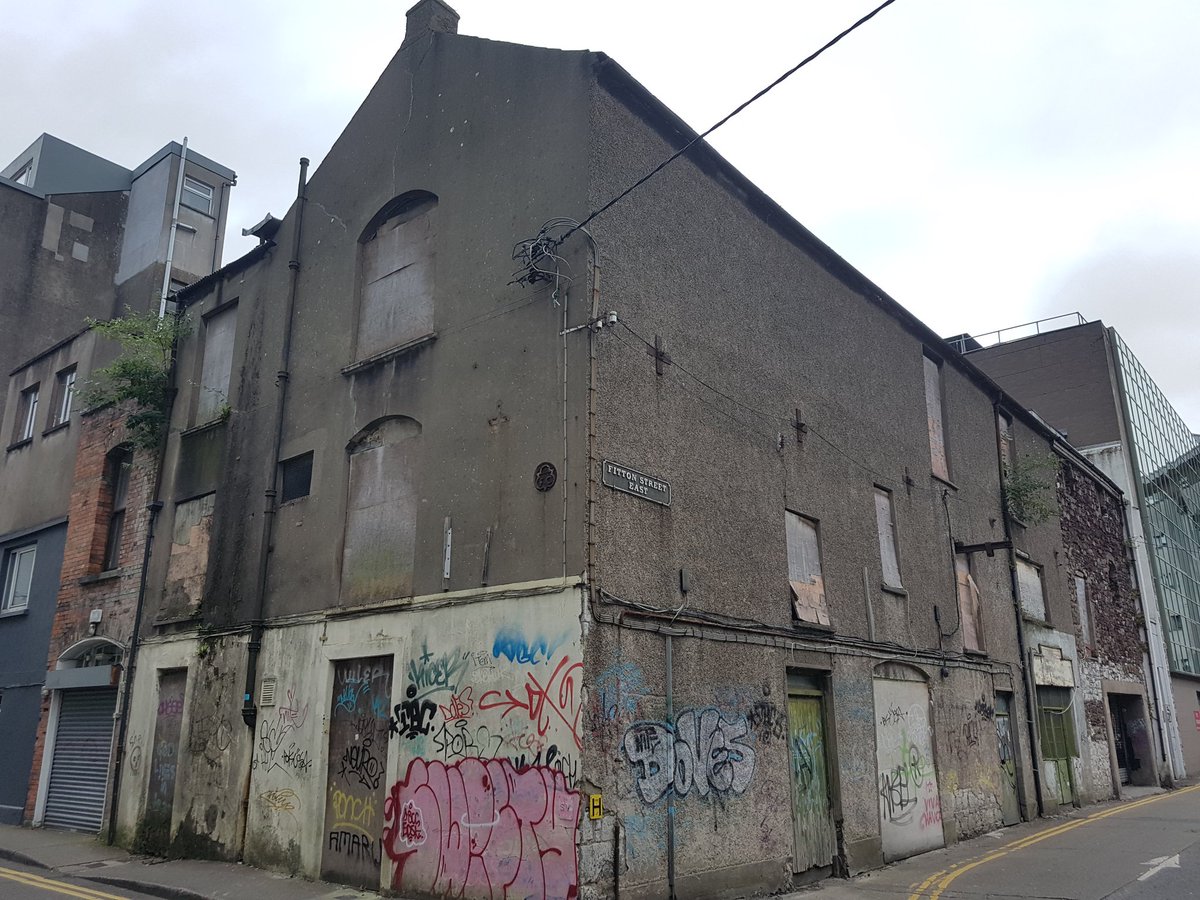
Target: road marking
[948, 875]
[47, 884]
[1160, 863]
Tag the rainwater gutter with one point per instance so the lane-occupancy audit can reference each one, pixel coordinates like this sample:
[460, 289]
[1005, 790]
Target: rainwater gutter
[1026, 678]
[254, 645]
[166, 284]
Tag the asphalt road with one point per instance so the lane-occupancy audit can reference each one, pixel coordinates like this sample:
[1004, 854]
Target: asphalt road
[20, 882]
[1148, 849]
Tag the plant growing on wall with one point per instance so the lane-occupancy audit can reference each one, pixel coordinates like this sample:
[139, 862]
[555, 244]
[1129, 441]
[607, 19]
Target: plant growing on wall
[141, 374]
[1029, 483]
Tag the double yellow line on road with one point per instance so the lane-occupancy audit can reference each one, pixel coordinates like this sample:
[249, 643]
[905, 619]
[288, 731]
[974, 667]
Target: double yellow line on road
[58, 887]
[947, 875]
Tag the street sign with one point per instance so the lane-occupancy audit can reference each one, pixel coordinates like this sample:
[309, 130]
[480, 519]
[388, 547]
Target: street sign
[631, 481]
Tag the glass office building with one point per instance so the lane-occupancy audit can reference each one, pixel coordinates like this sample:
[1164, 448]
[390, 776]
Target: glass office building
[1166, 459]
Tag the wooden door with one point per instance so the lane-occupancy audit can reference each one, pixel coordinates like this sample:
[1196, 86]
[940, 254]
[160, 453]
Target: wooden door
[1009, 808]
[812, 816]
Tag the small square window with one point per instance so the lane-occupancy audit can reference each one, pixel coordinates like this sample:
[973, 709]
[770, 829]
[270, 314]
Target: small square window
[26, 414]
[197, 195]
[18, 578]
[63, 397]
[295, 475]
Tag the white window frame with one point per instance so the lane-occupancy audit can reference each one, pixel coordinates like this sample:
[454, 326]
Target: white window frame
[64, 394]
[27, 413]
[889, 540]
[12, 571]
[197, 195]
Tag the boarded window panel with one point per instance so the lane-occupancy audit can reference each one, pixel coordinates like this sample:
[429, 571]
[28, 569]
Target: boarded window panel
[969, 607]
[381, 513]
[218, 364]
[804, 569]
[886, 526]
[1081, 602]
[1033, 597]
[933, 411]
[188, 563]
[397, 291]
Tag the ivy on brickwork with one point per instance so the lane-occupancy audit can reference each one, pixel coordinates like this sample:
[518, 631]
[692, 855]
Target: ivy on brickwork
[1029, 486]
[141, 375]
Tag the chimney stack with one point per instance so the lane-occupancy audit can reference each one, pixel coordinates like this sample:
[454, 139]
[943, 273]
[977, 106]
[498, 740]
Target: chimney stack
[427, 16]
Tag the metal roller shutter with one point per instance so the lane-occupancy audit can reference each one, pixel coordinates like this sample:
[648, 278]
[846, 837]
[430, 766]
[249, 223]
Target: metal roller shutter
[79, 770]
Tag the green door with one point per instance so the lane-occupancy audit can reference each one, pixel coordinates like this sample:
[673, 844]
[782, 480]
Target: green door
[1009, 807]
[811, 808]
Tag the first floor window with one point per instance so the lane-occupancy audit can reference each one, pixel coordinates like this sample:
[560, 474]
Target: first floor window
[18, 577]
[119, 465]
[26, 414]
[197, 195]
[969, 607]
[1033, 594]
[889, 551]
[804, 569]
[64, 394]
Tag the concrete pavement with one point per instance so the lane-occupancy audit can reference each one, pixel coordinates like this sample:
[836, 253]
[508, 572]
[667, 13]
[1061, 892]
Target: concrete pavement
[82, 856]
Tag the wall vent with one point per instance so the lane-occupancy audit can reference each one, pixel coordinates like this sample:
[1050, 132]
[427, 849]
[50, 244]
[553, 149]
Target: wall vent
[266, 693]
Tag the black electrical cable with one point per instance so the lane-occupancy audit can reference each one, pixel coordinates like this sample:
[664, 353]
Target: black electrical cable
[688, 146]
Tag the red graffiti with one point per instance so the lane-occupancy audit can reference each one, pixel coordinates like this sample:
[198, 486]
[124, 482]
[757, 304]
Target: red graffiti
[559, 698]
[460, 706]
[482, 829]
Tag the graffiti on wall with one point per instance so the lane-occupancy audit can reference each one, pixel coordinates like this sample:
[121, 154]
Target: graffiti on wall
[546, 701]
[910, 809]
[357, 763]
[276, 748]
[482, 829]
[702, 753]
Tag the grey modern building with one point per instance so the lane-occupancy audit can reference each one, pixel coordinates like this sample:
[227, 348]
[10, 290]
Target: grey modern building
[1086, 381]
[80, 237]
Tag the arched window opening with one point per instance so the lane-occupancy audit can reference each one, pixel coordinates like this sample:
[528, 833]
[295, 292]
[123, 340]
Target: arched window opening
[397, 275]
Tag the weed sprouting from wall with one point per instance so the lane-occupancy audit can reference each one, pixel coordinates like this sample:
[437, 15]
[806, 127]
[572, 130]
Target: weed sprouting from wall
[1029, 484]
[141, 374]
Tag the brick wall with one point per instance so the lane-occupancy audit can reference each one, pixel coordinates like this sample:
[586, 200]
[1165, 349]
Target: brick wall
[84, 587]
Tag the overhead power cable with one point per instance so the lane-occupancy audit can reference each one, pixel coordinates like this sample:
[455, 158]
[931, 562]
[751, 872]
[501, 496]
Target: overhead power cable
[688, 146]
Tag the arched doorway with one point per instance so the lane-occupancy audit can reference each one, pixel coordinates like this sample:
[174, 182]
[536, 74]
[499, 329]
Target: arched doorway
[910, 809]
[79, 735]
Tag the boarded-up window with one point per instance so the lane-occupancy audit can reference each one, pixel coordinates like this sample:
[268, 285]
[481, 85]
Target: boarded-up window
[885, 524]
[381, 512]
[396, 304]
[188, 564]
[1085, 612]
[218, 364]
[1033, 595]
[969, 607]
[933, 412]
[804, 569]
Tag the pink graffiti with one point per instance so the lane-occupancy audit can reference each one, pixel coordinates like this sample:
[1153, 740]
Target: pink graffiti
[933, 812]
[482, 829]
[558, 699]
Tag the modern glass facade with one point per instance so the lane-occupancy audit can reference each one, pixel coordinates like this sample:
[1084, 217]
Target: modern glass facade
[1166, 457]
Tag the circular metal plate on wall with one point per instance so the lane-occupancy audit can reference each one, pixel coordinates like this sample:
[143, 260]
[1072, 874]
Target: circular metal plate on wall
[545, 476]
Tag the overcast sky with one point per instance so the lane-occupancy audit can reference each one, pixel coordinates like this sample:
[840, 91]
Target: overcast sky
[987, 164]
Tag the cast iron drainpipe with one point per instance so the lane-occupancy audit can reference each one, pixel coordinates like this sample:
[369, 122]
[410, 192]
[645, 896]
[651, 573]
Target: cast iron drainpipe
[249, 710]
[1030, 696]
[155, 508]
